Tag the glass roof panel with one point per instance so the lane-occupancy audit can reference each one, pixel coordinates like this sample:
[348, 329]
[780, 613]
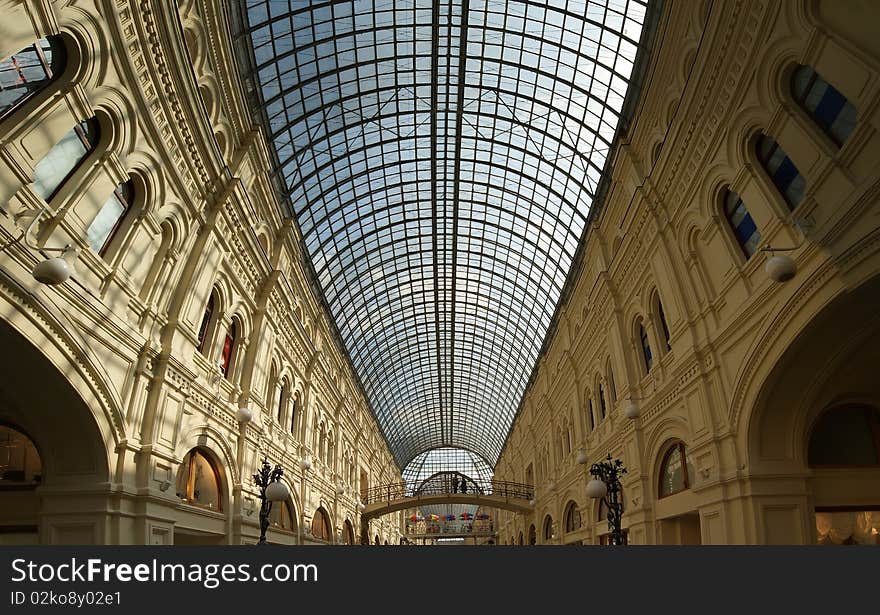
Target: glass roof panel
[441, 158]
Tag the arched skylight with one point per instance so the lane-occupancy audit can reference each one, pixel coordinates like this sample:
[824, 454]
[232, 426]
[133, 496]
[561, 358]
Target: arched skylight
[441, 159]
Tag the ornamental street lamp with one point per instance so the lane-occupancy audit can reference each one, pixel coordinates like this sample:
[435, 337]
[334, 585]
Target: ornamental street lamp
[271, 490]
[606, 486]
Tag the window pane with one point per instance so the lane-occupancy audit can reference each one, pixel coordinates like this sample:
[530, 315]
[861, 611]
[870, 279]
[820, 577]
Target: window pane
[741, 223]
[831, 109]
[27, 72]
[782, 171]
[105, 222]
[672, 477]
[60, 161]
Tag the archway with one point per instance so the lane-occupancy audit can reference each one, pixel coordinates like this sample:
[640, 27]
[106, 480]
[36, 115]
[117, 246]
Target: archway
[39, 401]
[831, 363]
[321, 528]
[348, 533]
[533, 534]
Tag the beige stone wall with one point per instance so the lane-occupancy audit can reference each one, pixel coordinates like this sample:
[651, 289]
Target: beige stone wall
[108, 375]
[751, 362]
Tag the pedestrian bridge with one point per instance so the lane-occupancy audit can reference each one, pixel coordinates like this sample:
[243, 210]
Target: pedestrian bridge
[447, 488]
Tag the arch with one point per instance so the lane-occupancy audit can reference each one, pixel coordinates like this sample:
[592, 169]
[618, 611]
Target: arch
[348, 533]
[839, 328]
[780, 170]
[533, 535]
[199, 480]
[660, 324]
[520, 540]
[104, 228]
[547, 534]
[229, 351]
[95, 51]
[740, 227]
[283, 517]
[676, 472]
[322, 528]
[115, 110]
[210, 318]
[215, 444]
[572, 517]
[65, 157]
[829, 109]
[38, 339]
[643, 344]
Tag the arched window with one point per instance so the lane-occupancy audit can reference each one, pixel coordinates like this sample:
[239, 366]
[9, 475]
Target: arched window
[227, 356]
[109, 218]
[676, 471]
[348, 533]
[740, 220]
[602, 407]
[294, 414]
[646, 348]
[198, 481]
[376, 540]
[548, 528]
[283, 396]
[590, 418]
[782, 170]
[520, 539]
[572, 517]
[661, 320]
[533, 534]
[208, 321]
[30, 70]
[612, 388]
[846, 436]
[825, 104]
[61, 161]
[20, 463]
[281, 517]
[321, 525]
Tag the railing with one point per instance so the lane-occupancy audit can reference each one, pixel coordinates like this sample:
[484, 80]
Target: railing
[412, 489]
[450, 528]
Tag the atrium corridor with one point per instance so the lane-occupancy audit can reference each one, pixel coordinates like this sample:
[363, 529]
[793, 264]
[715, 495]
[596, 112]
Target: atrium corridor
[436, 262]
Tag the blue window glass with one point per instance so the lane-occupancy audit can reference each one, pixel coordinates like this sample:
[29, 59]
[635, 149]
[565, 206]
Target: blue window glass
[782, 170]
[741, 223]
[29, 71]
[646, 348]
[831, 109]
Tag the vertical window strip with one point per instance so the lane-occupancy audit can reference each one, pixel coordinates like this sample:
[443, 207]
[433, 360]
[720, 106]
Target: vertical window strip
[741, 223]
[824, 103]
[109, 218]
[782, 170]
[646, 348]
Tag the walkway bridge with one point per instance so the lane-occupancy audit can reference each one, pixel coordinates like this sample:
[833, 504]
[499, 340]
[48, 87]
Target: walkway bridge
[447, 488]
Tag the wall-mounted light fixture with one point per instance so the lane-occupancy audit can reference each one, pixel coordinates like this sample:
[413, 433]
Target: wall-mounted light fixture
[54, 270]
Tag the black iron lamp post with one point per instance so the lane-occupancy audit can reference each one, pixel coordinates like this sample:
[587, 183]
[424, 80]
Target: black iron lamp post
[271, 490]
[606, 486]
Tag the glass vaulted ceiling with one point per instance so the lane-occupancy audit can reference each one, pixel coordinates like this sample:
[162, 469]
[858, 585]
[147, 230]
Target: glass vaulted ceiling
[441, 158]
